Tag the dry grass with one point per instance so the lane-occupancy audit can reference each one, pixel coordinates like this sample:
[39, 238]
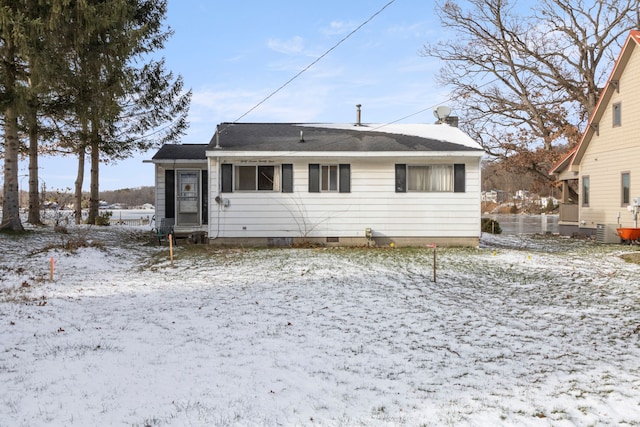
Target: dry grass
[633, 257]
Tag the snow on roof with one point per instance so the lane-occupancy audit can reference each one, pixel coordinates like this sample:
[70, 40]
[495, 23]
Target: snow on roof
[441, 132]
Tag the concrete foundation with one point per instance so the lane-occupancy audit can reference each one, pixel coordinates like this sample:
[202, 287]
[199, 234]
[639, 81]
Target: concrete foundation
[346, 241]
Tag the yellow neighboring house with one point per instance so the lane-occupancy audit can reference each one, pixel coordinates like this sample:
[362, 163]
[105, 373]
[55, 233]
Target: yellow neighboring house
[605, 165]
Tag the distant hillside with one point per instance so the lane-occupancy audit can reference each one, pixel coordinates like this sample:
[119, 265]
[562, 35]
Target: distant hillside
[129, 196]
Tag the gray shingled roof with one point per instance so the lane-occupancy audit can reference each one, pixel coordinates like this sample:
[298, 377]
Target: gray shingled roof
[181, 152]
[286, 137]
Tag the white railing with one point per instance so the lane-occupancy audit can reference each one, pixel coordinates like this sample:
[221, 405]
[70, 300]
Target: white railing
[130, 222]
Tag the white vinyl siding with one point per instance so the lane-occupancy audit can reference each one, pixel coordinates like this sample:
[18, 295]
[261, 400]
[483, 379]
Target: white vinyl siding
[371, 203]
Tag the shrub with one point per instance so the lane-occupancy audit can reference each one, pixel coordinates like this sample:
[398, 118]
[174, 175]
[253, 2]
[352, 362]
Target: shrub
[490, 226]
[550, 206]
[104, 218]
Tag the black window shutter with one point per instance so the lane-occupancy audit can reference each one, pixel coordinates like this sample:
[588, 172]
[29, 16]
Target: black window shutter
[287, 178]
[227, 178]
[401, 178]
[169, 193]
[345, 178]
[458, 178]
[204, 196]
[314, 178]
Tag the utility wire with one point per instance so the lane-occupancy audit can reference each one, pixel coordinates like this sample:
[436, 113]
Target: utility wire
[325, 54]
[315, 61]
[428, 108]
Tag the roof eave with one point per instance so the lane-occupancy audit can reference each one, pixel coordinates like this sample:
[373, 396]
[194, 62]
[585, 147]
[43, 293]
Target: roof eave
[338, 154]
[174, 161]
[564, 163]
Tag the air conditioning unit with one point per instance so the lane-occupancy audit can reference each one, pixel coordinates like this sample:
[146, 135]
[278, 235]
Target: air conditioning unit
[606, 233]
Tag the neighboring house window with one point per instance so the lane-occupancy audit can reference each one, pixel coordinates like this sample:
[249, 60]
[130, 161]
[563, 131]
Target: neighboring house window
[430, 178]
[617, 114]
[626, 187]
[329, 178]
[256, 178]
[585, 190]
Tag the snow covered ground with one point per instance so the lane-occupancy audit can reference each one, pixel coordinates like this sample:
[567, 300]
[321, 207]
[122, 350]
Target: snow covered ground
[521, 331]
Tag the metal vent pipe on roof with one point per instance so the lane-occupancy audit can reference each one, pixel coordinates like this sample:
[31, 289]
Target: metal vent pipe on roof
[358, 115]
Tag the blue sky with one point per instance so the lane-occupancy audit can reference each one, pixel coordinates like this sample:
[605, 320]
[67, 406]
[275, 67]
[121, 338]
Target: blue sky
[233, 54]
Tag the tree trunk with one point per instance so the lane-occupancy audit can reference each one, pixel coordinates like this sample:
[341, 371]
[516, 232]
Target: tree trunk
[77, 205]
[10, 202]
[94, 198]
[34, 196]
[80, 177]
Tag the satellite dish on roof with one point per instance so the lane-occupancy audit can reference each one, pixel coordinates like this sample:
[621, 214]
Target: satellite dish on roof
[442, 113]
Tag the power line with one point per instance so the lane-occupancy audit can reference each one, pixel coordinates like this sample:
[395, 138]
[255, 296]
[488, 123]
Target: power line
[325, 54]
[315, 61]
[429, 108]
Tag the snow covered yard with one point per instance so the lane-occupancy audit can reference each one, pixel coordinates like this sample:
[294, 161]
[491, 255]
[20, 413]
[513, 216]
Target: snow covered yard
[521, 331]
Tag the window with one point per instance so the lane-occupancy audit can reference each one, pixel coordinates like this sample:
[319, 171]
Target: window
[626, 187]
[329, 178]
[585, 191]
[256, 178]
[430, 178]
[617, 114]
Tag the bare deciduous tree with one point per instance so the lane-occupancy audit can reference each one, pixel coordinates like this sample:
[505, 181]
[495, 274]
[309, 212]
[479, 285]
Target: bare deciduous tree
[526, 77]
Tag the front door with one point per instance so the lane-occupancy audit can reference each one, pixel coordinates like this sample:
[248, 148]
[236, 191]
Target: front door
[188, 197]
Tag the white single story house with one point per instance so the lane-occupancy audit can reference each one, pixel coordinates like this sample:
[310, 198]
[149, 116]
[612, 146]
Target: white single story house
[281, 184]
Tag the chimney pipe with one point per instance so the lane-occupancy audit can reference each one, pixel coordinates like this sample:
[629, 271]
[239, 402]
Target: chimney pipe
[358, 115]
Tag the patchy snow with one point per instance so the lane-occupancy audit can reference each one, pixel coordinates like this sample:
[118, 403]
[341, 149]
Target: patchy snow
[439, 132]
[521, 331]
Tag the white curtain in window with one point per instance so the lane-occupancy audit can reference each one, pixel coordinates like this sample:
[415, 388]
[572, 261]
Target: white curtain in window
[333, 178]
[430, 178]
[417, 178]
[441, 178]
